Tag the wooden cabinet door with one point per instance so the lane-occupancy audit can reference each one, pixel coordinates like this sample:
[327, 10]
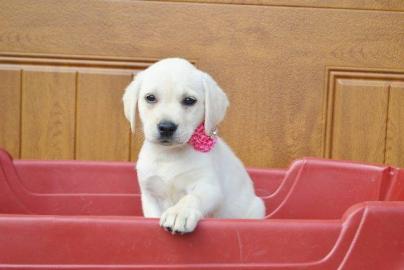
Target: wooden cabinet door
[304, 78]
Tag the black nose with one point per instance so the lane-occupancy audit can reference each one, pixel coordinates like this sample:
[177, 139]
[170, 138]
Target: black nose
[167, 128]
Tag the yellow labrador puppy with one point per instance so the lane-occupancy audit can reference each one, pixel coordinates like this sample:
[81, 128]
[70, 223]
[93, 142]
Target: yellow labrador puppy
[185, 171]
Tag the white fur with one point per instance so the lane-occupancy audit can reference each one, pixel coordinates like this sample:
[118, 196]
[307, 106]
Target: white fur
[180, 185]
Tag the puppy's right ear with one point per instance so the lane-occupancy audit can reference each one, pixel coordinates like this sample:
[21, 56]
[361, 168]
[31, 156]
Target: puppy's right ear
[130, 98]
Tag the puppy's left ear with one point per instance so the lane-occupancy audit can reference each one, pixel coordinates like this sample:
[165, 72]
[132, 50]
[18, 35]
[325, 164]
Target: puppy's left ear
[130, 98]
[216, 103]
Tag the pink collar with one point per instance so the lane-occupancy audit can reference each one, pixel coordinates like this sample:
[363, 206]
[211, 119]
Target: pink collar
[201, 141]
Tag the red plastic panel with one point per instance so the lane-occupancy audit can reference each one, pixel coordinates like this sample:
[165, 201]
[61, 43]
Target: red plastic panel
[329, 187]
[310, 188]
[66, 177]
[369, 237]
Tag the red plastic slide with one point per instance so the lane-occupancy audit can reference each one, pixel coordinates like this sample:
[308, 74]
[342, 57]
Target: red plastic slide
[321, 214]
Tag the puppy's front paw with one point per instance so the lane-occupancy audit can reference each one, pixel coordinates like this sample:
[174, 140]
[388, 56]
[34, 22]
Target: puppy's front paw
[180, 220]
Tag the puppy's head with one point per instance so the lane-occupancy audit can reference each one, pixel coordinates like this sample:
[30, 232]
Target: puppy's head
[173, 99]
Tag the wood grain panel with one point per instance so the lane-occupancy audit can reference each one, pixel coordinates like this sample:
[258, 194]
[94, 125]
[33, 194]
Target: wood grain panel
[393, 5]
[359, 120]
[270, 60]
[10, 86]
[102, 130]
[395, 131]
[48, 102]
[44, 88]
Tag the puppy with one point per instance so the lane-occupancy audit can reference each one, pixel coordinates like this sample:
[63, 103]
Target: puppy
[185, 171]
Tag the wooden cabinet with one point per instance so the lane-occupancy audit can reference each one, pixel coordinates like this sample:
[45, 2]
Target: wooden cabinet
[304, 78]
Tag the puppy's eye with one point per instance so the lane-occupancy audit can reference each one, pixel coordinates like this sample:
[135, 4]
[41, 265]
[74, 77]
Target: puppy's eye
[189, 101]
[151, 98]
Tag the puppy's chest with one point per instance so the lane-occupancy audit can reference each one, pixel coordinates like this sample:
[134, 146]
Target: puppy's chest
[164, 182]
[169, 176]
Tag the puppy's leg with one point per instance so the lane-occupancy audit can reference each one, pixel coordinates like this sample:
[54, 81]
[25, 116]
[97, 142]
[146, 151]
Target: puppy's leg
[153, 189]
[183, 217]
[150, 206]
[257, 209]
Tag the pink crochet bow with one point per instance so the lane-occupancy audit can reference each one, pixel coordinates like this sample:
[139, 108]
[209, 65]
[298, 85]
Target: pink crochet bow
[201, 141]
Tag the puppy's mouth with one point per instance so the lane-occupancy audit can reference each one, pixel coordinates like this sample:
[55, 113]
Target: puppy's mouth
[175, 140]
[171, 141]
[165, 141]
